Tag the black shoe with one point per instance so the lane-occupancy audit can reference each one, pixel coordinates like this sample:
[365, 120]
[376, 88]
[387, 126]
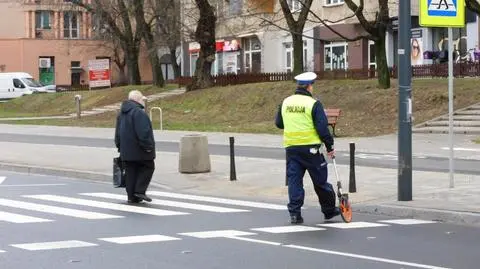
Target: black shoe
[296, 219]
[143, 197]
[134, 200]
[333, 214]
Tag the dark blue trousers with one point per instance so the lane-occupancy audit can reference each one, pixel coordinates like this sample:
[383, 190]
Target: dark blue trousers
[299, 160]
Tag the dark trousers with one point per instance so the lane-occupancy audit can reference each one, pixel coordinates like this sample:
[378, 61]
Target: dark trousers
[138, 177]
[299, 160]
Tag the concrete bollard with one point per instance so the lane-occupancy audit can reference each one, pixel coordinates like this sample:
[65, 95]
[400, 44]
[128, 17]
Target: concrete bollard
[78, 99]
[194, 156]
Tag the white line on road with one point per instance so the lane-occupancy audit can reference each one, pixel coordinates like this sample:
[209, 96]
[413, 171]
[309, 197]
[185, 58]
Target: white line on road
[462, 149]
[254, 240]
[54, 245]
[104, 205]
[216, 234]
[2, 179]
[287, 229]
[17, 218]
[172, 203]
[33, 185]
[56, 210]
[364, 257]
[218, 200]
[139, 239]
[407, 221]
[352, 225]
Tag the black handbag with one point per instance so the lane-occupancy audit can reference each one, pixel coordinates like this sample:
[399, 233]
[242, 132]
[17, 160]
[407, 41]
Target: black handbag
[118, 173]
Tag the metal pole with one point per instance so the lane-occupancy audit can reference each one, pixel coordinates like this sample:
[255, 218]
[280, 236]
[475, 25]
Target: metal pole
[352, 185]
[450, 102]
[404, 103]
[233, 173]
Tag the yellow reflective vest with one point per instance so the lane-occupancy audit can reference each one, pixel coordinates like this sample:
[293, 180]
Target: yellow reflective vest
[299, 128]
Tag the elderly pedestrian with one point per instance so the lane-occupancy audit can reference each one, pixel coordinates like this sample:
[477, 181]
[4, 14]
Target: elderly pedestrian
[136, 143]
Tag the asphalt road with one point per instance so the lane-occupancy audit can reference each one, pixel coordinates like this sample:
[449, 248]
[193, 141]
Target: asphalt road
[48, 222]
[434, 164]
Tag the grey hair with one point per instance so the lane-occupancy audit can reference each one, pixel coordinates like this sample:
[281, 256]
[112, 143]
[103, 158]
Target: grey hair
[135, 95]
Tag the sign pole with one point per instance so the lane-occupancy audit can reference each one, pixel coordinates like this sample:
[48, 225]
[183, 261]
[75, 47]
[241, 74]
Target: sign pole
[450, 102]
[404, 103]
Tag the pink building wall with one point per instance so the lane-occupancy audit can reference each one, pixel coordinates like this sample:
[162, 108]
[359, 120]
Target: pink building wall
[22, 43]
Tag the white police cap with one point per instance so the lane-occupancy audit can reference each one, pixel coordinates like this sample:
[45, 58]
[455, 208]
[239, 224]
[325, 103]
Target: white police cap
[306, 78]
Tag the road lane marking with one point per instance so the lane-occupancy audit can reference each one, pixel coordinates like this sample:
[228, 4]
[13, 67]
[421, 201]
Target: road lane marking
[2, 179]
[104, 205]
[17, 218]
[139, 239]
[365, 257]
[218, 200]
[462, 149]
[208, 208]
[54, 245]
[352, 225]
[407, 221]
[56, 210]
[216, 234]
[33, 185]
[287, 229]
[254, 240]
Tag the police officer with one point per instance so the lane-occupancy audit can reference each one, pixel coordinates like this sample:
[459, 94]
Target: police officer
[305, 128]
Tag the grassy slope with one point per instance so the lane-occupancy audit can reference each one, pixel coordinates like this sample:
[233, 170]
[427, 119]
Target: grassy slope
[64, 103]
[251, 107]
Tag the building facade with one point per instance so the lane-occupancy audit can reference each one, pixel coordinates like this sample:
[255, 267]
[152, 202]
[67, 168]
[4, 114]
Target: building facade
[252, 37]
[53, 41]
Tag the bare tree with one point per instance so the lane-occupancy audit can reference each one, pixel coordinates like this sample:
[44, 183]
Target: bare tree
[117, 17]
[296, 28]
[145, 29]
[473, 5]
[205, 36]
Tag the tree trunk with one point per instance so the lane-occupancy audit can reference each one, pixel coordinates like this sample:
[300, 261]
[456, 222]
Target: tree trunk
[173, 58]
[297, 54]
[205, 35]
[381, 61]
[133, 70]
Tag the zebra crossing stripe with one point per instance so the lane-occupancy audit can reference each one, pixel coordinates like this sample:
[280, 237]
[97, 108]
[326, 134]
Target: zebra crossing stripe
[17, 218]
[353, 225]
[407, 221]
[288, 229]
[56, 210]
[209, 208]
[54, 245]
[104, 205]
[139, 239]
[218, 200]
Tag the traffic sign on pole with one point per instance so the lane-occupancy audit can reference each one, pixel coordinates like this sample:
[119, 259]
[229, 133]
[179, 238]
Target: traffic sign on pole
[445, 13]
[442, 13]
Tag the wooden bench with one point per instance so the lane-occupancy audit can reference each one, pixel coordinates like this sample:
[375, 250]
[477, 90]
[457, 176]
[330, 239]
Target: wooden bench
[332, 115]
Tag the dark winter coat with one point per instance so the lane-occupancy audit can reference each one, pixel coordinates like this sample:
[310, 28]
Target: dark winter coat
[134, 133]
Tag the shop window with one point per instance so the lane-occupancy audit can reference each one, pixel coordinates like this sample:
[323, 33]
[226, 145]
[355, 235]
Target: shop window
[336, 56]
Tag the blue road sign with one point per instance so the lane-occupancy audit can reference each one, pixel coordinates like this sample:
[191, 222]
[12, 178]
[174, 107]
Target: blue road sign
[442, 8]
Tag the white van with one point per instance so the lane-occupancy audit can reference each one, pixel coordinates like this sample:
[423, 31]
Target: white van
[14, 85]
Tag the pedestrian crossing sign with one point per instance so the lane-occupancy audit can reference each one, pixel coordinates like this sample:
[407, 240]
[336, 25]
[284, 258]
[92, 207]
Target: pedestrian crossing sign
[442, 13]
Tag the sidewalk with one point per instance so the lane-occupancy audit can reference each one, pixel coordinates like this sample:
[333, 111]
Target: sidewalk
[263, 179]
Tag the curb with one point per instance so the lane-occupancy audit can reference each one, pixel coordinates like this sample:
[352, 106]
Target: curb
[66, 173]
[447, 216]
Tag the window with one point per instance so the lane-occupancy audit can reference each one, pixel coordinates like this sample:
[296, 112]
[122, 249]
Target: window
[371, 55]
[336, 56]
[235, 7]
[42, 19]
[333, 2]
[295, 5]
[289, 60]
[70, 25]
[253, 55]
[18, 84]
